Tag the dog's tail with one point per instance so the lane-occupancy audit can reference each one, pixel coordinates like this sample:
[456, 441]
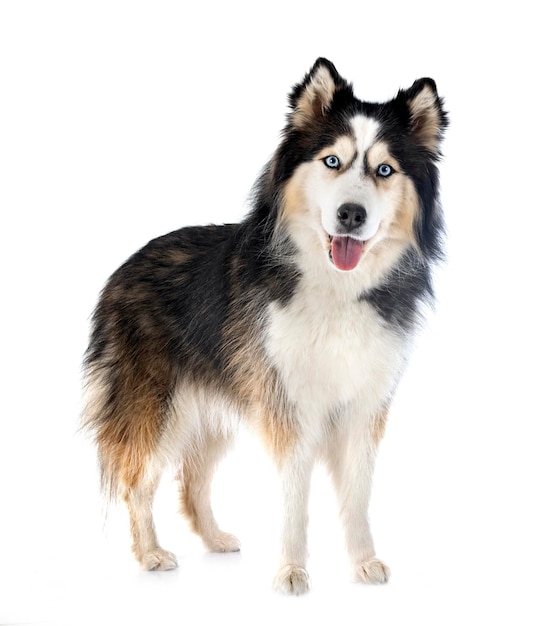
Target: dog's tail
[126, 402]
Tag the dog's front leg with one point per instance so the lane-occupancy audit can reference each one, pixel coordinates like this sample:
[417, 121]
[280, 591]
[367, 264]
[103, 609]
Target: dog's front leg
[351, 460]
[296, 471]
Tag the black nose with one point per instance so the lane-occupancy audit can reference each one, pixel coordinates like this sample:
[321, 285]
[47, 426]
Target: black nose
[351, 216]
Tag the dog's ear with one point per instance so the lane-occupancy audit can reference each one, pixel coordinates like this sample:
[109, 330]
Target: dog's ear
[312, 98]
[427, 117]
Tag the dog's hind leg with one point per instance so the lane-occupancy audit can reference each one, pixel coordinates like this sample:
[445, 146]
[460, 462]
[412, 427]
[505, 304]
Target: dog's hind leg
[195, 478]
[145, 543]
[127, 415]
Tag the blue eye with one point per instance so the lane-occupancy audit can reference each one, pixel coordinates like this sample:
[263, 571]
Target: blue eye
[384, 170]
[332, 162]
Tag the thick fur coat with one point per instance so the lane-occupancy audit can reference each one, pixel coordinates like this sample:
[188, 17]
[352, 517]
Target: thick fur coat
[297, 320]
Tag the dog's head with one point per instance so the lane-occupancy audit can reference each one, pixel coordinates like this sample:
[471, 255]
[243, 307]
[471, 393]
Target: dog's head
[357, 176]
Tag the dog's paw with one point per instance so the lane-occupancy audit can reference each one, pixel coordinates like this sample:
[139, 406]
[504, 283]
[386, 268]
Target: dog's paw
[292, 580]
[158, 560]
[223, 542]
[372, 571]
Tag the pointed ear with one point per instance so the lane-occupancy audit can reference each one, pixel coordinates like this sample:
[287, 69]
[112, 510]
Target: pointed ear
[428, 119]
[312, 98]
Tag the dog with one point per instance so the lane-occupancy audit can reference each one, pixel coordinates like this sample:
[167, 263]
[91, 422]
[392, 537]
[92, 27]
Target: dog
[297, 321]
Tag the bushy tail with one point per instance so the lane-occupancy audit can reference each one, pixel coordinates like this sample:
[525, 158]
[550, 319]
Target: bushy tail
[125, 406]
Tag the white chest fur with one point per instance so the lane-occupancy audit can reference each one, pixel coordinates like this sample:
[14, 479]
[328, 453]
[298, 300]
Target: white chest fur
[331, 350]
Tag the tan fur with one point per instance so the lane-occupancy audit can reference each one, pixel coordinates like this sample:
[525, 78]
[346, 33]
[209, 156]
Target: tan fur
[378, 425]
[256, 384]
[379, 153]
[195, 479]
[294, 202]
[125, 447]
[316, 98]
[426, 119]
[145, 544]
[403, 225]
[344, 148]
[278, 429]
[127, 440]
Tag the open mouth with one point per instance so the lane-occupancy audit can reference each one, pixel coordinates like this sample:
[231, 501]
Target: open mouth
[345, 252]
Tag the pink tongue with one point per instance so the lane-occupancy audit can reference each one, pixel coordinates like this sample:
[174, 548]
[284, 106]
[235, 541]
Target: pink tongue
[346, 252]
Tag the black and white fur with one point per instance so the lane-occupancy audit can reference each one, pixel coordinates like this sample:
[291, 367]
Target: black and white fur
[299, 320]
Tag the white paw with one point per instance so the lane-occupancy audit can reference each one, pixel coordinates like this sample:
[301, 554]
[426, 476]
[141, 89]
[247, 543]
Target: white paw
[372, 571]
[158, 560]
[223, 542]
[292, 580]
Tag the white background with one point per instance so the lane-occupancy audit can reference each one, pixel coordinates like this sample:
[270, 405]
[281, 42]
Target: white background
[122, 121]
